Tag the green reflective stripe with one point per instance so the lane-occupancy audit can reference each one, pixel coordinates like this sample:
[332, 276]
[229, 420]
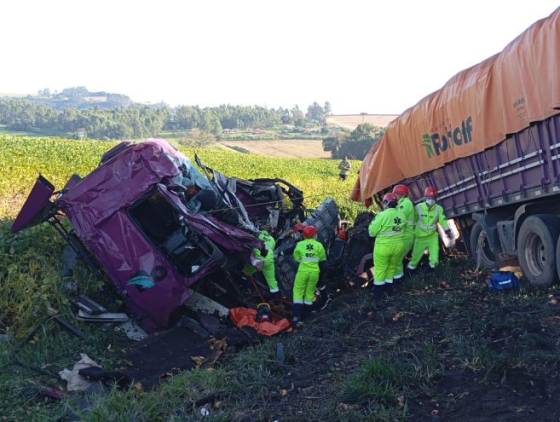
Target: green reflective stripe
[426, 226]
[310, 260]
[411, 222]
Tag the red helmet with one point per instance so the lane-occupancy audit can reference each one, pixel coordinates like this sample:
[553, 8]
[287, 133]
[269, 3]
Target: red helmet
[401, 190]
[430, 192]
[390, 200]
[309, 232]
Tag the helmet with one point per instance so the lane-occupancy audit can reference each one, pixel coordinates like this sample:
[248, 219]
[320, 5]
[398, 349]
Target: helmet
[309, 232]
[430, 192]
[401, 190]
[390, 200]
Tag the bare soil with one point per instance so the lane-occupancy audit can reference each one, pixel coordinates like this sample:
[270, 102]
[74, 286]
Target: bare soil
[455, 352]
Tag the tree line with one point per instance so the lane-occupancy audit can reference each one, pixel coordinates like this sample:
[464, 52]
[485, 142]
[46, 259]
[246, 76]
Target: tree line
[354, 145]
[137, 120]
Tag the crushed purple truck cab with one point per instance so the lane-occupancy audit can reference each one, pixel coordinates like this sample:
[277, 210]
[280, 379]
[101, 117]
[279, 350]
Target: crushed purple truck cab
[135, 218]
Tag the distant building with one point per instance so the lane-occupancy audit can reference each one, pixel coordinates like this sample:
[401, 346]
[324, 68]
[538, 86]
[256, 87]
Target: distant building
[350, 121]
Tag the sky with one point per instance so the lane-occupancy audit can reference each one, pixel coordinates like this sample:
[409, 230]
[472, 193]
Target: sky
[363, 56]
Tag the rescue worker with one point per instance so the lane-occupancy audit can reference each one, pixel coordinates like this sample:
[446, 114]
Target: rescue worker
[268, 269]
[388, 227]
[426, 237]
[407, 208]
[308, 253]
[344, 167]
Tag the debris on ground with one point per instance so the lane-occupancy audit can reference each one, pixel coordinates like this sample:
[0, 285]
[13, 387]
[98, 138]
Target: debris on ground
[503, 280]
[182, 348]
[243, 317]
[106, 317]
[132, 330]
[75, 381]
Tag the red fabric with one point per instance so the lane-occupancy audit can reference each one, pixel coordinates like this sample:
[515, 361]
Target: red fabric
[243, 317]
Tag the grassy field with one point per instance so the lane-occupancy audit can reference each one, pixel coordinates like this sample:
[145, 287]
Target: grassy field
[443, 348]
[297, 148]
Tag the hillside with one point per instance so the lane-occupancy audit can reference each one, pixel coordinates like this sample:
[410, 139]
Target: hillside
[79, 98]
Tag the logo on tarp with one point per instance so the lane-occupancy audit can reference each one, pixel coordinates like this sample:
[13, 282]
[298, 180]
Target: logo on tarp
[436, 143]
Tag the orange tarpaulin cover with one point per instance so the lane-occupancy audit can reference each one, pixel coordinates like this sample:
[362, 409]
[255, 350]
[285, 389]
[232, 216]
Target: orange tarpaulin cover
[473, 111]
[242, 317]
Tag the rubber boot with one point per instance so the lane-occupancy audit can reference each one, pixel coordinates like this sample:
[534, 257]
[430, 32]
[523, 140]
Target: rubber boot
[408, 273]
[307, 311]
[389, 289]
[378, 292]
[297, 310]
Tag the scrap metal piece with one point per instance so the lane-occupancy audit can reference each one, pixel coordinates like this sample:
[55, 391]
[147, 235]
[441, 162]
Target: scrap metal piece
[133, 331]
[105, 317]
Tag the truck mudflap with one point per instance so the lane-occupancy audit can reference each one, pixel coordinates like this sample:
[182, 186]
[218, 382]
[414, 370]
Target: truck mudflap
[37, 207]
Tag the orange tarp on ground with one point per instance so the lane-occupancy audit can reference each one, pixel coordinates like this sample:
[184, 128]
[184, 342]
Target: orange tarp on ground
[243, 317]
[475, 110]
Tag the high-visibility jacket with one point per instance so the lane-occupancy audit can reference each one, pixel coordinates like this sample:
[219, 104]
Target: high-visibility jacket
[269, 244]
[309, 252]
[388, 226]
[407, 208]
[427, 219]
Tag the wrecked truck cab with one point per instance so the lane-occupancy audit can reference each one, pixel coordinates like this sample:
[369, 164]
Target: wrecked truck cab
[130, 218]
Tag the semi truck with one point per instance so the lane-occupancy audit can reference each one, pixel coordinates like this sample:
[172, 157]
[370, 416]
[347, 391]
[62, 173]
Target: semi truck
[489, 141]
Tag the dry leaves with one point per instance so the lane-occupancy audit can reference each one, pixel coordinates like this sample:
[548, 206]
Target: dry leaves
[198, 360]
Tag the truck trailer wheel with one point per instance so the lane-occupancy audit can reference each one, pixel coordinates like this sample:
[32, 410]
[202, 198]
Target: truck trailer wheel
[536, 249]
[480, 249]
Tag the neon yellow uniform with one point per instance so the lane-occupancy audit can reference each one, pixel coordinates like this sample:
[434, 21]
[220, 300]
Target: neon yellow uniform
[407, 208]
[388, 227]
[308, 252]
[426, 234]
[268, 260]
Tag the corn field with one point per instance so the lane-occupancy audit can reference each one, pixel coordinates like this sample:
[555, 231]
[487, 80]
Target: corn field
[22, 159]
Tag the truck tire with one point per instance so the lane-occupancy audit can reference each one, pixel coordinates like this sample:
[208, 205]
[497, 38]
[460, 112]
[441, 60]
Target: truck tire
[480, 249]
[536, 248]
